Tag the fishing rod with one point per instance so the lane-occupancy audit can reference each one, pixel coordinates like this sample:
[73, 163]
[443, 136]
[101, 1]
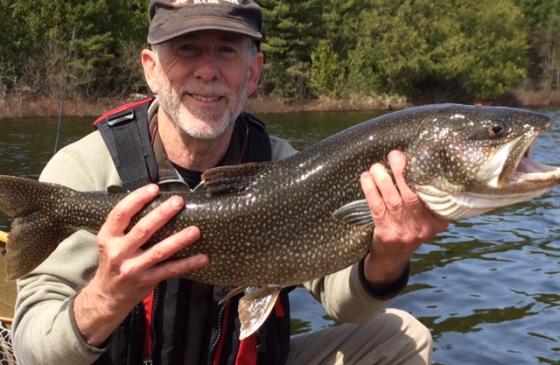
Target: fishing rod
[63, 95]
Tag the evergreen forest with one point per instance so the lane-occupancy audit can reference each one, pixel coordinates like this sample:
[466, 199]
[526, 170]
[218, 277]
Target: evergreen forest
[427, 49]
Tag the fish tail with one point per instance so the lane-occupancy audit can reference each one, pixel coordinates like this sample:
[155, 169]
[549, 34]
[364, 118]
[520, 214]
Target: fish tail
[36, 228]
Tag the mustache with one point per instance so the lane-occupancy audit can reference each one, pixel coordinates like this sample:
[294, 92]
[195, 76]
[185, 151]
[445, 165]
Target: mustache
[204, 88]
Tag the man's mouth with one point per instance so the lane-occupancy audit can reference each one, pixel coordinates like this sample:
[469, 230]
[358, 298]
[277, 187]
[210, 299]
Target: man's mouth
[206, 98]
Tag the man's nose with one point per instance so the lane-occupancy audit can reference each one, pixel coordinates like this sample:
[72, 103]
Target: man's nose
[207, 68]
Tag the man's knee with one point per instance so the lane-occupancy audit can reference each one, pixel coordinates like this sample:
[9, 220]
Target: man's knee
[391, 337]
[414, 333]
[412, 327]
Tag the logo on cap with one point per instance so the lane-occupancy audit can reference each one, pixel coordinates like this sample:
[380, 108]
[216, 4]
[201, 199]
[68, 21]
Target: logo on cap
[196, 2]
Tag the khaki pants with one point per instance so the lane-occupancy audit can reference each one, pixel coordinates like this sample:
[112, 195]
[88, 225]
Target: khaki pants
[393, 337]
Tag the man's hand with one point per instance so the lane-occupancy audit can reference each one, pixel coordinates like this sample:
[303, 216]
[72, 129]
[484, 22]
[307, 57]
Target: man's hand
[126, 273]
[402, 221]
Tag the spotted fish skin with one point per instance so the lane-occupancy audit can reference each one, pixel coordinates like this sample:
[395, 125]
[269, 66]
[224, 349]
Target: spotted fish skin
[285, 222]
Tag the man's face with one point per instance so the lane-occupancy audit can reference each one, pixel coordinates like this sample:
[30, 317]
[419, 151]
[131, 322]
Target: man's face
[203, 80]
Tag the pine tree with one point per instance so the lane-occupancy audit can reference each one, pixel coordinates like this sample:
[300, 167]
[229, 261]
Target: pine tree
[87, 42]
[327, 70]
[292, 29]
[543, 22]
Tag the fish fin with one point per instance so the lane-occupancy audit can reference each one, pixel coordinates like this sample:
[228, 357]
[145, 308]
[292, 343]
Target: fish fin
[255, 307]
[30, 243]
[233, 292]
[20, 196]
[230, 179]
[33, 235]
[355, 213]
[116, 189]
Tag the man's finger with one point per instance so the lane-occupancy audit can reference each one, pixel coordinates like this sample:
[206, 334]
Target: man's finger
[153, 221]
[164, 249]
[179, 267]
[397, 163]
[120, 216]
[387, 188]
[373, 197]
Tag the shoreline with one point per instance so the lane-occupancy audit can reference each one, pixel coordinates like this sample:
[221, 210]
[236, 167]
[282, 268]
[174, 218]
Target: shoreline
[26, 107]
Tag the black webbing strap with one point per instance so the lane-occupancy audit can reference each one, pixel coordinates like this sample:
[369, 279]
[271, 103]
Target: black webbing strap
[258, 147]
[127, 137]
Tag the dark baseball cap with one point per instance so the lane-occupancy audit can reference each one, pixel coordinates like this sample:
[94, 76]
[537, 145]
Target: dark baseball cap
[173, 18]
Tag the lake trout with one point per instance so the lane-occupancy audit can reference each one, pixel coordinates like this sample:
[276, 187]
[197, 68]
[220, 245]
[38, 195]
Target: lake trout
[277, 224]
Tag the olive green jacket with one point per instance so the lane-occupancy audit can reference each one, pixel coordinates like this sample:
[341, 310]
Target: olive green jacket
[45, 330]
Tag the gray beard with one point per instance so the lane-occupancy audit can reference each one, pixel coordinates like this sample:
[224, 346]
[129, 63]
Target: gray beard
[182, 117]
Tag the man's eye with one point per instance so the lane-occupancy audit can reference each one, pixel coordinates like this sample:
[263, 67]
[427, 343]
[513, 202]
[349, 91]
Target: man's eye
[227, 50]
[187, 48]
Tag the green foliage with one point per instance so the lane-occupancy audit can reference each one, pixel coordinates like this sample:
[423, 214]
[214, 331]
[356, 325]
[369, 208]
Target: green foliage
[85, 42]
[426, 49]
[498, 40]
[9, 45]
[327, 70]
[341, 20]
[543, 21]
[292, 29]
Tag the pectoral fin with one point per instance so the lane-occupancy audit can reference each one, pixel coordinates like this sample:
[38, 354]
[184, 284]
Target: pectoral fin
[255, 307]
[355, 213]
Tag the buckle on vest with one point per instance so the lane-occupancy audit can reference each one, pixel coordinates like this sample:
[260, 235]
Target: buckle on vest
[120, 118]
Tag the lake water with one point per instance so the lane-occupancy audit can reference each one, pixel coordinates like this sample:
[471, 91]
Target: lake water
[489, 288]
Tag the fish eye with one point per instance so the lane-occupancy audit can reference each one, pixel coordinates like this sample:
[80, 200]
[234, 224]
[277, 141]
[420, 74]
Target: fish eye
[489, 132]
[496, 131]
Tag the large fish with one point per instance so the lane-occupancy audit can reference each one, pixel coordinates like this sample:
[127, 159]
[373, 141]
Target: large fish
[276, 224]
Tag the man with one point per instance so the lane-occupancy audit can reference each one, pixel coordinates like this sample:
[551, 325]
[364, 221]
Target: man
[104, 300]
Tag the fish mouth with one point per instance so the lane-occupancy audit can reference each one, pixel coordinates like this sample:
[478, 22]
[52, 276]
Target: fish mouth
[514, 171]
[511, 176]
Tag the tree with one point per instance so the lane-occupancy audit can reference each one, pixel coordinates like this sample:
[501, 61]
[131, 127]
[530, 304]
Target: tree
[342, 24]
[88, 41]
[440, 50]
[292, 29]
[543, 22]
[327, 71]
[498, 40]
[12, 40]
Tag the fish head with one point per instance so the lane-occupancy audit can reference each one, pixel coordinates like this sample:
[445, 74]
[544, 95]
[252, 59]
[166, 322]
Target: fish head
[468, 160]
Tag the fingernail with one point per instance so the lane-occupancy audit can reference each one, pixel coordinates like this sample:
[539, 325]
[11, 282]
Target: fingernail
[395, 155]
[176, 202]
[193, 231]
[153, 188]
[377, 168]
[201, 259]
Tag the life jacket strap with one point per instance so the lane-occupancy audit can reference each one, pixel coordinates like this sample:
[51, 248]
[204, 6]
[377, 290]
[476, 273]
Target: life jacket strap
[125, 132]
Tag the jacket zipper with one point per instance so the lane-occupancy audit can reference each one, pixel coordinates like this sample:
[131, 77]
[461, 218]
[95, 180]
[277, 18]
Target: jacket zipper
[214, 344]
[155, 304]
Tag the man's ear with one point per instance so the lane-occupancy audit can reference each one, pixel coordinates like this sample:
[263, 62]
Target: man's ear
[149, 64]
[255, 71]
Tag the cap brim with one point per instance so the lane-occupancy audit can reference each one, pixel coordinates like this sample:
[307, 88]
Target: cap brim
[175, 29]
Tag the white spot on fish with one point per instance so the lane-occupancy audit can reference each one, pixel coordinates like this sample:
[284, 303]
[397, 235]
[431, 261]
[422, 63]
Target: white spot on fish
[457, 116]
[310, 173]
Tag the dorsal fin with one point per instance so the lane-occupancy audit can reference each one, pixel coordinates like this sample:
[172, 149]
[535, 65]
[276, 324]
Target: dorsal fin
[230, 179]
